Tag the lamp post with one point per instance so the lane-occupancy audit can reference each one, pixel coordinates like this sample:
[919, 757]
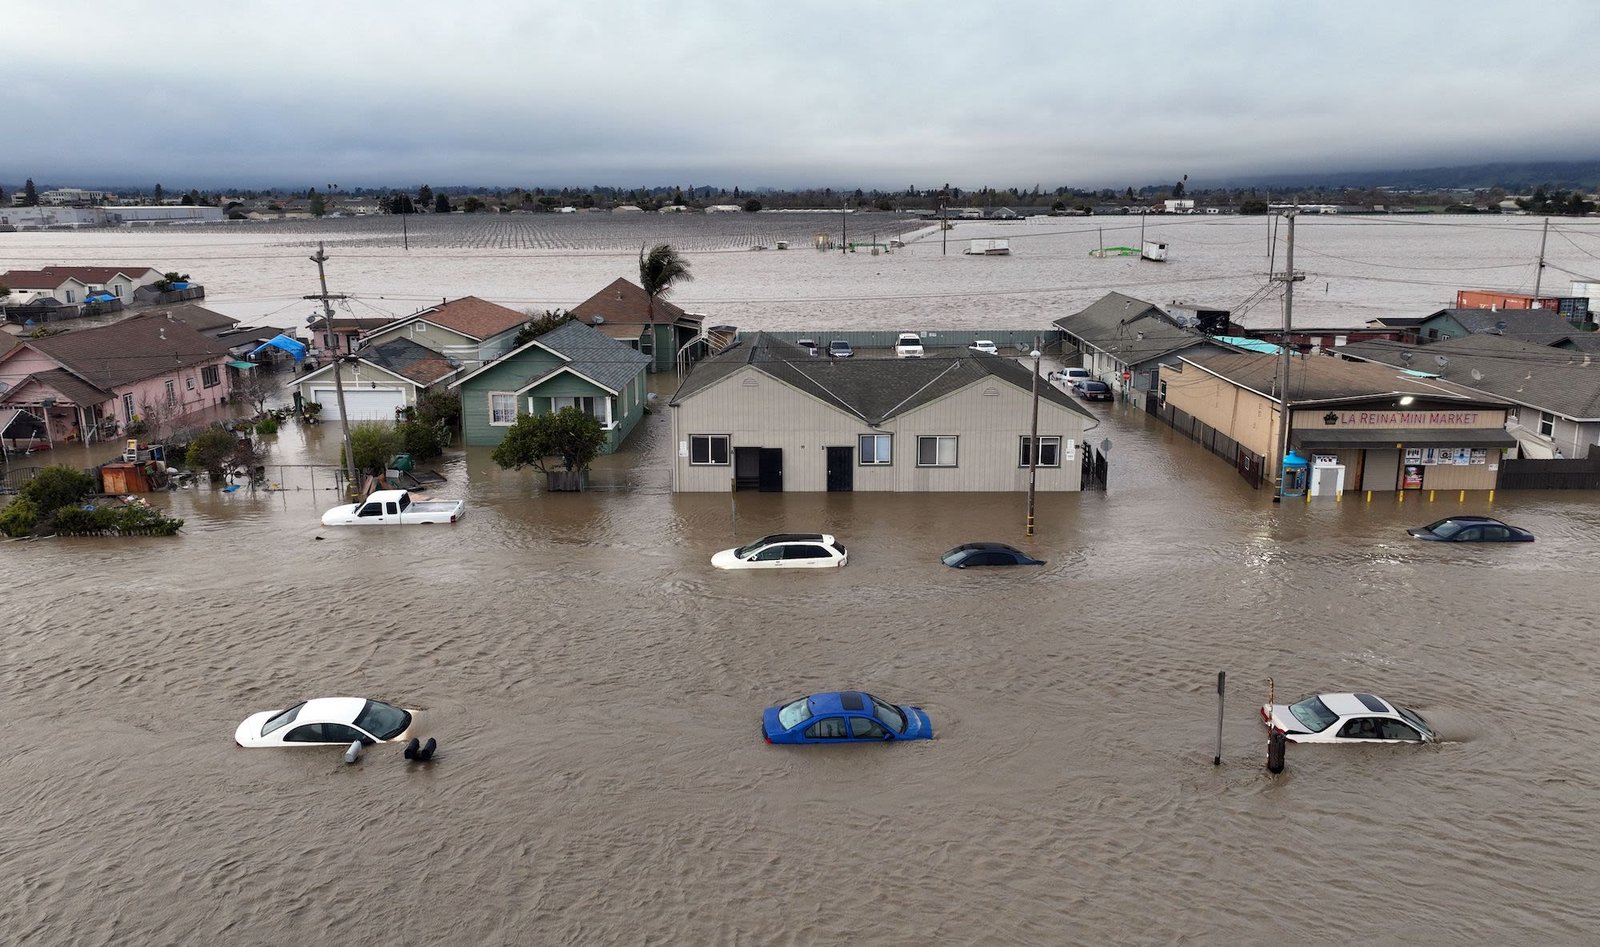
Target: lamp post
[1033, 441]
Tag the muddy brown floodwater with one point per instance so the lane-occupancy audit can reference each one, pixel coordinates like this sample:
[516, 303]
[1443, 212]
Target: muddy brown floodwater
[596, 689]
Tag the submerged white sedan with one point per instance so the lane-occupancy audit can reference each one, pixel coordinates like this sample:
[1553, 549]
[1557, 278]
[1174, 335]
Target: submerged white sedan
[327, 721]
[1347, 718]
[785, 551]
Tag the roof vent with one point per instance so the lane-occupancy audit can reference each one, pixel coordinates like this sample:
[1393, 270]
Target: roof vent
[598, 319]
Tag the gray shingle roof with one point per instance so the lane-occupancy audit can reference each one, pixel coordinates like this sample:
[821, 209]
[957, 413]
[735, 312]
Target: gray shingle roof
[594, 354]
[409, 360]
[1131, 329]
[1540, 326]
[872, 389]
[1561, 381]
[1320, 378]
[144, 346]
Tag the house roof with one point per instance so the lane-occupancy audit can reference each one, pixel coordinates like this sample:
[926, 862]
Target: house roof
[409, 360]
[1130, 329]
[199, 318]
[1322, 378]
[32, 279]
[472, 317]
[872, 389]
[1541, 326]
[146, 345]
[68, 385]
[622, 301]
[1561, 381]
[97, 274]
[595, 355]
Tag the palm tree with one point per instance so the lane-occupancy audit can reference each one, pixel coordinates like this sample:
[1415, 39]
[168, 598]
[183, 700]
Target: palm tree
[659, 271]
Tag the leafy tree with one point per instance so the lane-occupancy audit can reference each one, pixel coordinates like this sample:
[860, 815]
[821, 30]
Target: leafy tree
[30, 196]
[441, 204]
[1177, 189]
[539, 325]
[212, 450]
[319, 204]
[473, 205]
[373, 443]
[752, 205]
[1253, 207]
[255, 388]
[159, 193]
[424, 195]
[187, 200]
[57, 486]
[570, 435]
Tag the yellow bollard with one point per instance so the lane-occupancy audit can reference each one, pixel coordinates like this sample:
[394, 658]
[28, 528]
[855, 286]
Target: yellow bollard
[1369, 496]
[1338, 497]
[1402, 496]
[1491, 496]
[1430, 496]
[1462, 498]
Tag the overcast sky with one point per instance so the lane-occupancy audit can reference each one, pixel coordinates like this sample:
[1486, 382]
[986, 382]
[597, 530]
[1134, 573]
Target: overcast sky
[784, 93]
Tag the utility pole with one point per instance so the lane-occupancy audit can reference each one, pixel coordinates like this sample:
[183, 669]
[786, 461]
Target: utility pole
[1288, 279]
[1538, 274]
[944, 224]
[1033, 441]
[338, 370]
[844, 206]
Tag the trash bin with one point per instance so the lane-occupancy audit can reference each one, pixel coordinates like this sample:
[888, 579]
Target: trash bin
[402, 462]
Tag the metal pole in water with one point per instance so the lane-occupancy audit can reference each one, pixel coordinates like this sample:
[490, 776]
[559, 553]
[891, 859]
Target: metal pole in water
[1277, 749]
[1222, 685]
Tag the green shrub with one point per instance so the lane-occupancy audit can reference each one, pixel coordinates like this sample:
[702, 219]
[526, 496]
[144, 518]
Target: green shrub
[267, 425]
[19, 518]
[211, 450]
[373, 443]
[57, 486]
[80, 520]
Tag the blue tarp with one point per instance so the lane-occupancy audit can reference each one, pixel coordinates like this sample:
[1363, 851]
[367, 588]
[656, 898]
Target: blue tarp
[297, 349]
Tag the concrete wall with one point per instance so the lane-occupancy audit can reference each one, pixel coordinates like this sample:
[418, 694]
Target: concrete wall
[1245, 416]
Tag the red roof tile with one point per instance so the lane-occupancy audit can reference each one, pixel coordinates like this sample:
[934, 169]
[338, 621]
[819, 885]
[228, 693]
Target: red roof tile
[625, 302]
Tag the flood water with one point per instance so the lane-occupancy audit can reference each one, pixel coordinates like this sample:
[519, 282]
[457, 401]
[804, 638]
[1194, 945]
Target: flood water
[596, 689]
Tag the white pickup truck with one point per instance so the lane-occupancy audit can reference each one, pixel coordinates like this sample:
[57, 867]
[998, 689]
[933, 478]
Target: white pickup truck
[394, 507]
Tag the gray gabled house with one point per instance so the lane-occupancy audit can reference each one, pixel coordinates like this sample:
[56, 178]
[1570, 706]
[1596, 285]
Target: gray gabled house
[1124, 341]
[766, 414]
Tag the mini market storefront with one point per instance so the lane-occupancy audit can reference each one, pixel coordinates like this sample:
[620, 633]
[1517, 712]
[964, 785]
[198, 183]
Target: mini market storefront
[1448, 446]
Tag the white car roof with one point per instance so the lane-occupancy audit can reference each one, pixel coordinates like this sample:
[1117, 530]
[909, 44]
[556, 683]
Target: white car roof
[331, 710]
[1345, 704]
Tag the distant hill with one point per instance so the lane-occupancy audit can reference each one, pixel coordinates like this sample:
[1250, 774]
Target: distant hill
[1514, 176]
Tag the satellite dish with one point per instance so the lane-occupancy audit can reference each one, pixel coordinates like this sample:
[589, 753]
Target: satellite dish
[598, 319]
[1500, 327]
[1405, 357]
[1477, 375]
[1441, 360]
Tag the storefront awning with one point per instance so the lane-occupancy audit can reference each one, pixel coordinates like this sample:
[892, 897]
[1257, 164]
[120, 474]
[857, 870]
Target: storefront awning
[235, 363]
[1389, 438]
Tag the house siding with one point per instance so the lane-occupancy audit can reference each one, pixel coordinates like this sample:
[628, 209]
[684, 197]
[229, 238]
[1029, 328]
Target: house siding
[514, 374]
[365, 377]
[988, 416]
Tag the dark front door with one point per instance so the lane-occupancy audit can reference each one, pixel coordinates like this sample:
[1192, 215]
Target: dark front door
[771, 470]
[841, 469]
[746, 468]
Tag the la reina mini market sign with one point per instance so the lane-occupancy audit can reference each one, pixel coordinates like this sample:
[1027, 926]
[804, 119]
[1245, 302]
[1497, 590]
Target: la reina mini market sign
[1408, 419]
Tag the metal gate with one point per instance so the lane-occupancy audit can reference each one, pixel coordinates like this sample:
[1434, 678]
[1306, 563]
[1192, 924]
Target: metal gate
[1095, 468]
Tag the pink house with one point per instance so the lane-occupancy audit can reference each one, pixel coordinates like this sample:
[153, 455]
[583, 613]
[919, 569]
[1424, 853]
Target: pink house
[92, 383]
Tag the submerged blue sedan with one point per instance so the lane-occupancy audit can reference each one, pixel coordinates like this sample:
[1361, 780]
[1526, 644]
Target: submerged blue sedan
[844, 717]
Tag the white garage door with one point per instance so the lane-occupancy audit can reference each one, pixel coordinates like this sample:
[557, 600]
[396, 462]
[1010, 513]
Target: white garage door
[363, 404]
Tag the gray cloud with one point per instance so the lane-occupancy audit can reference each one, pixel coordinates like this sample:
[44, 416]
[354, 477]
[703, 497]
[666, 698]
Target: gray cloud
[844, 94]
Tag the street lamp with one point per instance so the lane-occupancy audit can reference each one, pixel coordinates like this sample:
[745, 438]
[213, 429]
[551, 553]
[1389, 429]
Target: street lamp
[1033, 443]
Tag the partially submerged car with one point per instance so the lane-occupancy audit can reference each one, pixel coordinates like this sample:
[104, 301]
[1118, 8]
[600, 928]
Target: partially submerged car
[785, 551]
[844, 717]
[327, 721]
[987, 554]
[1347, 718]
[1071, 377]
[1091, 390]
[1470, 529]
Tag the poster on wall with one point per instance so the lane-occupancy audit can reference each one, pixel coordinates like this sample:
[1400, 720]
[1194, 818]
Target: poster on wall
[1413, 455]
[1412, 479]
[1428, 457]
[1463, 456]
[1480, 455]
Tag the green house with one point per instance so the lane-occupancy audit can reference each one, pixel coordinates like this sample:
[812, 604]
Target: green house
[570, 366]
[659, 329]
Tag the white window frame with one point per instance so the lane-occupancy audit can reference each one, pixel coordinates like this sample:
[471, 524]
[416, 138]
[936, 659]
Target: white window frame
[557, 402]
[887, 454]
[938, 439]
[709, 440]
[1547, 420]
[502, 394]
[1046, 441]
[172, 392]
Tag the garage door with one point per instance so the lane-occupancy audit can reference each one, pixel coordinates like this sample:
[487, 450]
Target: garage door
[363, 404]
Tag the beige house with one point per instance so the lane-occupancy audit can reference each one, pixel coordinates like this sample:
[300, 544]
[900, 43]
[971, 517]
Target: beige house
[765, 414]
[1385, 429]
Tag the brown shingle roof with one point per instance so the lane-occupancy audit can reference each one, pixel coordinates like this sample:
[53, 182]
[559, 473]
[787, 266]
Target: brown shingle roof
[96, 274]
[30, 279]
[69, 386]
[473, 317]
[199, 318]
[146, 345]
[624, 302]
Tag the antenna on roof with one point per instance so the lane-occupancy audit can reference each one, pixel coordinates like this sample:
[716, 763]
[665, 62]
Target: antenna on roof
[1477, 375]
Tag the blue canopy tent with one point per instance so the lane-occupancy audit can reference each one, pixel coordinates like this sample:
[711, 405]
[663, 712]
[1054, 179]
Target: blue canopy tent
[280, 341]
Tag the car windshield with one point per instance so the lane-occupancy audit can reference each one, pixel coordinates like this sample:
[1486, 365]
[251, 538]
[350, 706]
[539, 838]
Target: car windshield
[795, 713]
[1096, 386]
[1314, 714]
[954, 556]
[889, 714]
[745, 552]
[283, 719]
[1416, 720]
[1446, 528]
[384, 721]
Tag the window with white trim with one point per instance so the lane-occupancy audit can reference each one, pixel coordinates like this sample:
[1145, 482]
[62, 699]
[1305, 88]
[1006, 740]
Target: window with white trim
[708, 450]
[502, 408]
[936, 450]
[1049, 451]
[172, 392]
[210, 376]
[597, 408]
[876, 450]
[1547, 424]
